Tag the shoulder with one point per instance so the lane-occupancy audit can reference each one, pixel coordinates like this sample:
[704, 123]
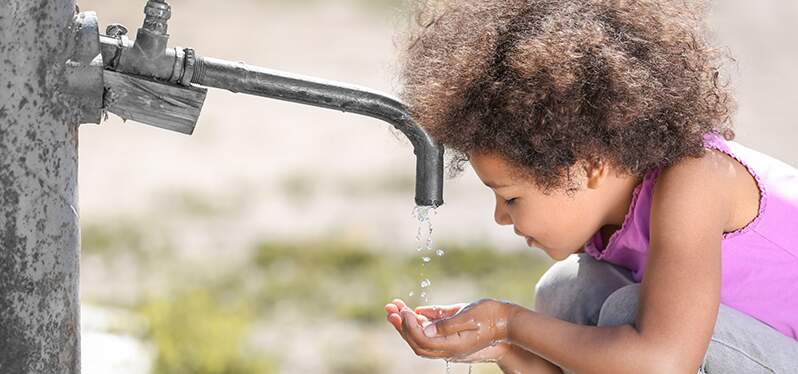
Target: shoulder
[713, 168]
[696, 188]
[709, 179]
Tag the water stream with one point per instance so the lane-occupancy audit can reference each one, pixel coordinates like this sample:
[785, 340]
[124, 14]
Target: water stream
[424, 248]
[423, 215]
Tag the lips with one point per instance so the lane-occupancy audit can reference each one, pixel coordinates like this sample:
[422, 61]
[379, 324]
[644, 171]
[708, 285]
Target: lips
[530, 241]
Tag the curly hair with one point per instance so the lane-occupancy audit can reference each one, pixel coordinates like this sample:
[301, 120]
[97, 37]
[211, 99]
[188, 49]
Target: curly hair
[549, 83]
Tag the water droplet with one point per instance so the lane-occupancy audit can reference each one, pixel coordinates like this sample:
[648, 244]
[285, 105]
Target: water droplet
[411, 294]
[440, 252]
[425, 283]
[426, 259]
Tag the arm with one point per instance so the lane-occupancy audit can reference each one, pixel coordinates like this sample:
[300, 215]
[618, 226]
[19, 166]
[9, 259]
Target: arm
[520, 361]
[680, 291]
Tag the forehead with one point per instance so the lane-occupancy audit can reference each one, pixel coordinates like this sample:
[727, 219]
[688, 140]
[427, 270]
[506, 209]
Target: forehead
[493, 170]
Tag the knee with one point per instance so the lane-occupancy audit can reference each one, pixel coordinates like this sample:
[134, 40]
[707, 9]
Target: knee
[574, 289]
[741, 343]
[555, 285]
[620, 308]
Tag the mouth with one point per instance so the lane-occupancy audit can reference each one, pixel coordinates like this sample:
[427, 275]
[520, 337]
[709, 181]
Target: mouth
[530, 241]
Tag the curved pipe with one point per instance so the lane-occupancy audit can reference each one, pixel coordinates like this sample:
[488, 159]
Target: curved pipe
[253, 80]
[239, 77]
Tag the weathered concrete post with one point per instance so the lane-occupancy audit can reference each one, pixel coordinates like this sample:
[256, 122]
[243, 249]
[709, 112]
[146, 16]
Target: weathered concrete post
[39, 232]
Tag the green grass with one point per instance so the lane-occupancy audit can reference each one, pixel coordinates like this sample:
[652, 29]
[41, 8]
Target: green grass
[195, 332]
[355, 282]
[199, 324]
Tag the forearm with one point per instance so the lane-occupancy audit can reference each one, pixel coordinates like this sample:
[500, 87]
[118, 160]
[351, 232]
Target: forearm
[586, 349]
[521, 361]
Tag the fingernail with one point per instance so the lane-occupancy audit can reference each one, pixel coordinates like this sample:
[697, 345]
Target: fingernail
[430, 330]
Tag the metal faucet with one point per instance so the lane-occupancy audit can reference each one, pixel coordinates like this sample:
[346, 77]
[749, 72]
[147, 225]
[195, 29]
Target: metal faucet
[150, 83]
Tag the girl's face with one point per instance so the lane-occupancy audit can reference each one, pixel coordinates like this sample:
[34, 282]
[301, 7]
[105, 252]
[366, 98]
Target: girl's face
[556, 222]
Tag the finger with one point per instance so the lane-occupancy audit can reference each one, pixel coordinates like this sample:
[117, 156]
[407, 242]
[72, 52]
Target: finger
[423, 320]
[395, 320]
[400, 303]
[459, 323]
[391, 308]
[439, 311]
[407, 327]
[458, 344]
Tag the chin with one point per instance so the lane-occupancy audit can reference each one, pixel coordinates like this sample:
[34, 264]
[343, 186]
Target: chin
[556, 255]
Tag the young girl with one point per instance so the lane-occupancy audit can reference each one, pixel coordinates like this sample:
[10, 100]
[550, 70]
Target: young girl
[602, 128]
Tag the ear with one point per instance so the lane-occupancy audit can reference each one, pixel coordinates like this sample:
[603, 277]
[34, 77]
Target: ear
[596, 172]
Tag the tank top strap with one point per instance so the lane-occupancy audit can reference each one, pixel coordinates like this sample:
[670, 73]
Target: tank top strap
[716, 141]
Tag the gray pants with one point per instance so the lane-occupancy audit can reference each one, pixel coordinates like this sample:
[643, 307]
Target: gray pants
[583, 290]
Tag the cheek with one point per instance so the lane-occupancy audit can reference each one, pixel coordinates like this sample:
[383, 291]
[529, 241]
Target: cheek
[560, 226]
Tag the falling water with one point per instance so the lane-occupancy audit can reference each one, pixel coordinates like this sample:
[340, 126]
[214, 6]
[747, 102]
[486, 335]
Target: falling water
[424, 248]
[450, 367]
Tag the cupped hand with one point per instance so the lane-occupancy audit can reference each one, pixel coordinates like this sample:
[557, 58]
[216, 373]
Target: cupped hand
[459, 332]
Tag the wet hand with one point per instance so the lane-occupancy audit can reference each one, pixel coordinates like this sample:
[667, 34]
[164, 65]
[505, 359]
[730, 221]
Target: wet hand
[461, 333]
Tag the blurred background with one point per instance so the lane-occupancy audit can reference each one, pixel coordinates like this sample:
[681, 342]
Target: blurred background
[269, 241]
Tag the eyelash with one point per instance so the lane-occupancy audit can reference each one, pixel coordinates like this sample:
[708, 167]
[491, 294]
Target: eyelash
[510, 201]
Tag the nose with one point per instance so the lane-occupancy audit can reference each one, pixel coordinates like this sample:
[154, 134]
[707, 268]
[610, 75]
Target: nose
[500, 214]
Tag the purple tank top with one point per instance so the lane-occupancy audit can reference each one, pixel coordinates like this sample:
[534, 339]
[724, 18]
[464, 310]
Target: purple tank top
[759, 262]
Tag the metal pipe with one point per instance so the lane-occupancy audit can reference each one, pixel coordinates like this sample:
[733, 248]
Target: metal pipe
[252, 80]
[39, 232]
[148, 57]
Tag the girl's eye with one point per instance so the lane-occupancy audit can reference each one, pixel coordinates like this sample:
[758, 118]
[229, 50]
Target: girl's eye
[510, 201]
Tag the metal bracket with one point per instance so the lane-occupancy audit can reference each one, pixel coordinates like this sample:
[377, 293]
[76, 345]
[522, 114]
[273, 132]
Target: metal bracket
[84, 69]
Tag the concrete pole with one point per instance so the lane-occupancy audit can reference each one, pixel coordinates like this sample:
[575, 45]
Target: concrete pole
[39, 231]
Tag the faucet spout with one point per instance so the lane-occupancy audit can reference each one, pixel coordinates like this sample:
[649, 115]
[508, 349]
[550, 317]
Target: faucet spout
[239, 77]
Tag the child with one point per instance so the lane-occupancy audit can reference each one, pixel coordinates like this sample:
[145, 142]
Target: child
[602, 128]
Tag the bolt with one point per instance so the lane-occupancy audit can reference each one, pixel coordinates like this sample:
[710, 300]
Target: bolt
[157, 13]
[115, 30]
[159, 9]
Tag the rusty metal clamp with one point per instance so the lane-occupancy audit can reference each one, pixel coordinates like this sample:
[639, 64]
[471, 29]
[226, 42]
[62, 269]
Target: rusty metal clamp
[190, 61]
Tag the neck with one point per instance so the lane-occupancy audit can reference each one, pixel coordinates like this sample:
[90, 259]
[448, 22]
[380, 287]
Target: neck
[623, 187]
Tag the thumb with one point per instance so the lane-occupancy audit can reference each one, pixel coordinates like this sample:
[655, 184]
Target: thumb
[452, 325]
